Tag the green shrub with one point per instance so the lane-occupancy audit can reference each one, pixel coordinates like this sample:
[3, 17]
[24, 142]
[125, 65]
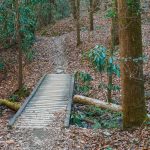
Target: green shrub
[94, 117]
[82, 82]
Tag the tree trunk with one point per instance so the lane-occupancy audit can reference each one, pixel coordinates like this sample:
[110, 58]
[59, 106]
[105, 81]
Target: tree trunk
[78, 22]
[91, 11]
[109, 90]
[18, 39]
[11, 105]
[73, 8]
[134, 110]
[115, 25]
[114, 42]
[20, 75]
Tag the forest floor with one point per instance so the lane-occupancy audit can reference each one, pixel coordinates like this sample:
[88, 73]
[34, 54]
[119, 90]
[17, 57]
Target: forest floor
[55, 137]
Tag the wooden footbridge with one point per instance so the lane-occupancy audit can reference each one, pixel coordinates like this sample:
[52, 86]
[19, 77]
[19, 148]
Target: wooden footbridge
[52, 94]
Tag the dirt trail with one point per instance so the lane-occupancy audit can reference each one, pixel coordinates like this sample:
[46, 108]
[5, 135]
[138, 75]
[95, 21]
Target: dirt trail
[50, 53]
[60, 59]
[55, 46]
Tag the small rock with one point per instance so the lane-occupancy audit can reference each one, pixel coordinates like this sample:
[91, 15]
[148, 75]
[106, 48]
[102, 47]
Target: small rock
[107, 133]
[10, 142]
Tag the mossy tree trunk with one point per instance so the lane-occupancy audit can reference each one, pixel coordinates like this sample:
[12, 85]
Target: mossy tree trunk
[11, 105]
[134, 111]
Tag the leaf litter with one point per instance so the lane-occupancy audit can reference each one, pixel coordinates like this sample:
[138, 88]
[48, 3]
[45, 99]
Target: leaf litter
[55, 137]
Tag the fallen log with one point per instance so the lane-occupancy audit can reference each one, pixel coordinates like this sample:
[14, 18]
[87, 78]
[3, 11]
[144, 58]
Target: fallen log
[14, 106]
[95, 102]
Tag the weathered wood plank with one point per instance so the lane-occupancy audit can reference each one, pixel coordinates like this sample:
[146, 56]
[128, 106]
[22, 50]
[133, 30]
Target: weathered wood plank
[12, 120]
[49, 103]
[68, 110]
[52, 95]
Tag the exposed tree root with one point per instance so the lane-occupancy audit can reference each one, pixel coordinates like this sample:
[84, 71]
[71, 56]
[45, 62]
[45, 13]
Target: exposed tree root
[11, 105]
[95, 102]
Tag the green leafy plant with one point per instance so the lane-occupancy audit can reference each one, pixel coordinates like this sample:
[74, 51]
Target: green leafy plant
[108, 148]
[14, 98]
[94, 117]
[32, 14]
[83, 82]
[61, 9]
[134, 6]
[30, 55]
[110, 13]
[104, 62]
[19, 94]
[76, 118]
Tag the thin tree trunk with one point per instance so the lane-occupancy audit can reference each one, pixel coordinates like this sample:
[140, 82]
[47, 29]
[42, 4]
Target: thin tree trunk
[91, 11]
[115, 25]
[20, 76]
[49, 19]
[134, 111]
[114, 42]
[78, 22]
[73, 8]
[18, 38]
[109, 90]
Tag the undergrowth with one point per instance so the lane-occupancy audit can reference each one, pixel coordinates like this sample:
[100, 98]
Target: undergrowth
[94, 117]
[91, 116]
[19, 94]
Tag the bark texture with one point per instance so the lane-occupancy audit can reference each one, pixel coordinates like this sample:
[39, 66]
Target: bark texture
[73, 8]
[91, 11]
[115, 25]
[78, 22]
[96, 102]
[109, 90]
[114, 42]
[134, 110]
[18, 39]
